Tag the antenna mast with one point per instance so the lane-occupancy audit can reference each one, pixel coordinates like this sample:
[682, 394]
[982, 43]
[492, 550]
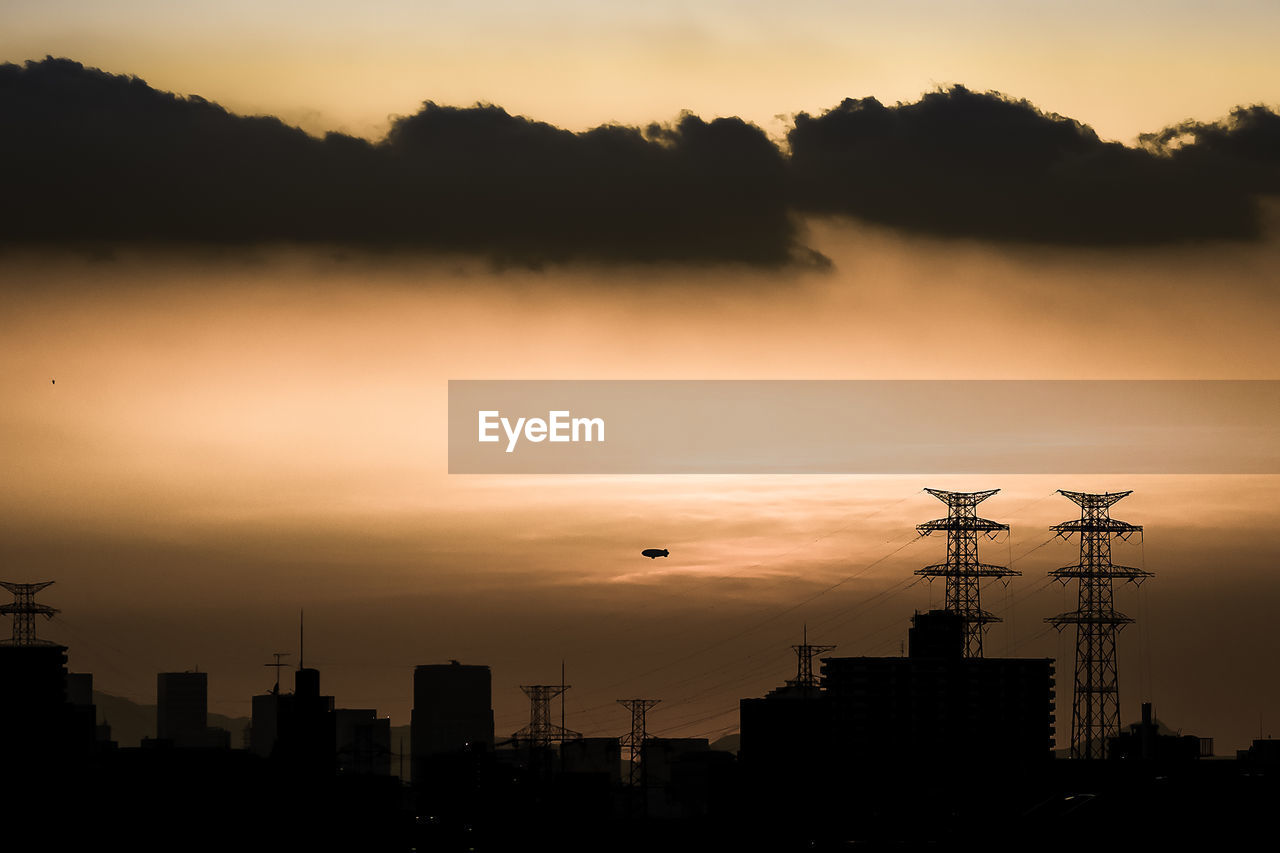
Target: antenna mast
[277, 655]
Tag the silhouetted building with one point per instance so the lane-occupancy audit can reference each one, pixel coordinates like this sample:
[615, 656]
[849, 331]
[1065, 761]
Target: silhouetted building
[936, 634]
[1148, 740]
[660, 755]
[936, 705]
[452, 711]
[595, 755]
[296, 728]
[683, 776]
[33, 679]
[182, 712]
[305, 736]
[363, 742]
[80, 688]
[35, 717]
[786, 733]
[264, 723]
[182, 707]
[84, 711]
[1261, 751]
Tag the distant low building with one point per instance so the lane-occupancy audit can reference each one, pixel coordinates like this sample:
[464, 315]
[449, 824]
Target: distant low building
[1261, 751]
[685, 778]
[363, 741]
[601, 756]
[1148, 740]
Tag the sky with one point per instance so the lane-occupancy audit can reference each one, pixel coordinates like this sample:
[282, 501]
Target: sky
[1123, 68]
[200, 442]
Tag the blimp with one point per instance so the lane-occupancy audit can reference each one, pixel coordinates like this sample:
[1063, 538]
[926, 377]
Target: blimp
[655, 553]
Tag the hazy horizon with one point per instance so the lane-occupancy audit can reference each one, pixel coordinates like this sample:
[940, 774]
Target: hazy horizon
[230, 441]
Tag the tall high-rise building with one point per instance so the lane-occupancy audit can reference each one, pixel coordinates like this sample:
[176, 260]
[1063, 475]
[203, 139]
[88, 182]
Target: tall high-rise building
[182, 708]
[265, 725]
[182, 712]
[305, 722]
[452, 710]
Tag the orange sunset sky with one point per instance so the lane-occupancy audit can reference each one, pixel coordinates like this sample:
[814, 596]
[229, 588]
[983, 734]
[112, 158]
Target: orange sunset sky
[238, 434]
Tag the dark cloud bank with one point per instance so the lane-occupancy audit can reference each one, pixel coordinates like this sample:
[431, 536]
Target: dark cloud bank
[92, 157]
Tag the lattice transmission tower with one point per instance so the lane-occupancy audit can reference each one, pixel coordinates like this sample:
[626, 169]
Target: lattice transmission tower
[541, 731]
[805, 653]
[1095, 708]
[24, 611]
[635, 740]
[962, 570]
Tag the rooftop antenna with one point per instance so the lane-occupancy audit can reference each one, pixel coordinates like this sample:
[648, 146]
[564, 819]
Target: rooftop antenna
[277, 655]
[301, 638]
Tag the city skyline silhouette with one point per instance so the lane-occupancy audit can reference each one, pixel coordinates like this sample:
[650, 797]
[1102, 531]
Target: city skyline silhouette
[252, 255]
[940, 710]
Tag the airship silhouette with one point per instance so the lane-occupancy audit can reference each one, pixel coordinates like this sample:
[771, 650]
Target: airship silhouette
[655, 553]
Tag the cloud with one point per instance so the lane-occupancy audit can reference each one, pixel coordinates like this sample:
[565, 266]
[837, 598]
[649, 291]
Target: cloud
[103, 157]
[964, 164]
[693, 191]
[99, 158]
[1242, 150]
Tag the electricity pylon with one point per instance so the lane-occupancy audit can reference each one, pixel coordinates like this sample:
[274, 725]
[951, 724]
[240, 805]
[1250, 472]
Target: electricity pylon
[962, 570]
[1095, 708]
[635, 740]
[24, 610]
[541, 731]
